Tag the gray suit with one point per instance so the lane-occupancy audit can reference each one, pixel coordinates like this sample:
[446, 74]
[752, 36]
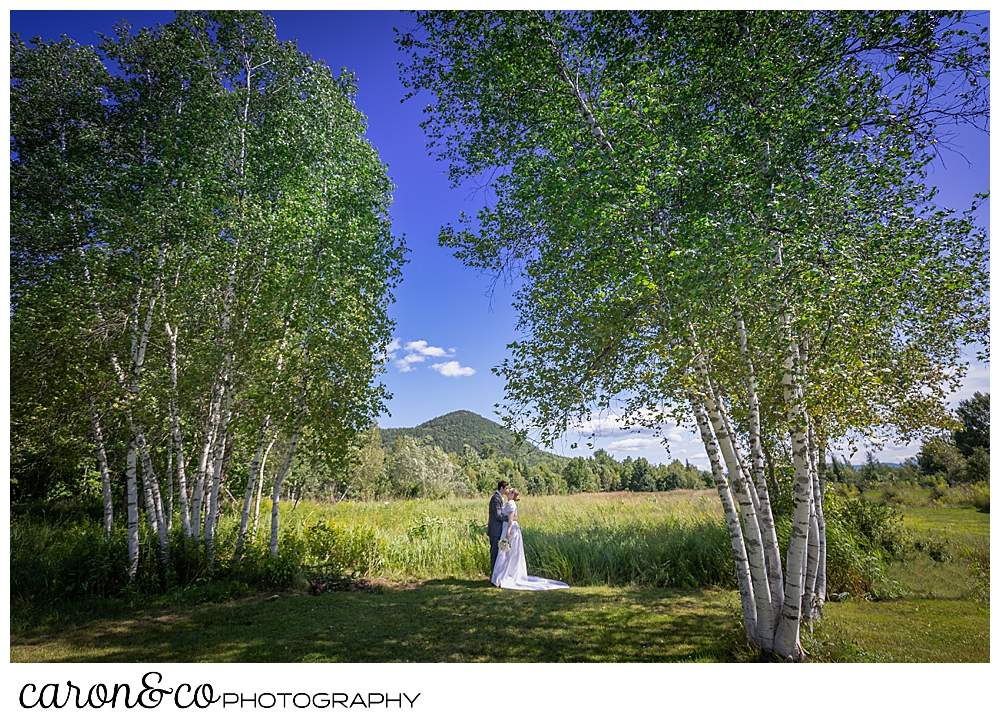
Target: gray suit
[495, 527]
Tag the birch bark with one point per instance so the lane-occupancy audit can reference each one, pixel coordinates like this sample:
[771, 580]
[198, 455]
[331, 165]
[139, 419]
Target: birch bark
[260, 485]
[202, 471]
[732, 520]
[170, 482]
[751, 528]
[175, 430]
[102, 466]
[769, 535]
[132, 510]
[211, 518]
[821, 522]
[786, 639]
[255, 472]
[276, 490]
[154, 499]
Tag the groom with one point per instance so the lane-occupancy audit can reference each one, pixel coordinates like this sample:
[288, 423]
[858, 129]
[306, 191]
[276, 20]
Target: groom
[495, 525]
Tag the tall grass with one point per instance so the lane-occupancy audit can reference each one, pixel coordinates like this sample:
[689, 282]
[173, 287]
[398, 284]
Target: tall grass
[665, 539]
[673, 539]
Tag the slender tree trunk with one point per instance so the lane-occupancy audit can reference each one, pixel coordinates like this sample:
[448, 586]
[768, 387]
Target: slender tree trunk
[102, 466]
[260, 456]
[769, 534]
[255, 466]
[276, 490]
[213, 497]
[751, 527]
[732, 520]
[211, 427]
[260, 485]
[787, 643]
[773, 491]
[813, 557]
[139, 344]
[821, 522]
[170, 482]
[132, 502]
[175, 430]
[154, 500]
[816, 573]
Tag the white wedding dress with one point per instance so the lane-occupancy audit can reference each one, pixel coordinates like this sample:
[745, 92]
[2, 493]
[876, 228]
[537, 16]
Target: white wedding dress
[511, 572]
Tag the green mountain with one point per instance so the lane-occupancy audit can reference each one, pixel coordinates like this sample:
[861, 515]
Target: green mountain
[456, 429]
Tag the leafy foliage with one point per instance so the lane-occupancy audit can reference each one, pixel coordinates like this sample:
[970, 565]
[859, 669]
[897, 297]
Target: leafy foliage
[974, 416]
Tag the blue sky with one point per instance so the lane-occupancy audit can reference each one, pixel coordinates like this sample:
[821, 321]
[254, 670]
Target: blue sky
[452, 324]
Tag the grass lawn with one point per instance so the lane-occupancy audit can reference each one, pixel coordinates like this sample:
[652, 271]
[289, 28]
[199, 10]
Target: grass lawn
[432, 621]
[944, 614]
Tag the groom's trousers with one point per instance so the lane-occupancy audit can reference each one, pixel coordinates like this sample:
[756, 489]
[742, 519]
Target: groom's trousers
[494, 551]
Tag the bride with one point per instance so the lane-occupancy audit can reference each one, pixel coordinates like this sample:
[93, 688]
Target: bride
[510, 571]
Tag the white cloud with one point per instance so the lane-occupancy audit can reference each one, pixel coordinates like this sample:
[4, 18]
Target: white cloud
[632, 444]
[420, 347]
[419, 350]
[453, 369]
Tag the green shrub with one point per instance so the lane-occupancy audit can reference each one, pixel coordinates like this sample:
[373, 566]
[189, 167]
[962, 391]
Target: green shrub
[853, 566]
[977, 495]
[937, 550]
[349, 548]
[876, 526]
[977, 555]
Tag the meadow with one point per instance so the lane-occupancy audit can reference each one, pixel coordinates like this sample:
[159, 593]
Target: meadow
[651, 576]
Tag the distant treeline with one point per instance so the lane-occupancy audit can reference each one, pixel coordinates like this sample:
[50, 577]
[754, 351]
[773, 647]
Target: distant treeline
[410, 467]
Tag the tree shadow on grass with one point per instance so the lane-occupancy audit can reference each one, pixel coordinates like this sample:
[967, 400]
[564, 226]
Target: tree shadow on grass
[447, 620]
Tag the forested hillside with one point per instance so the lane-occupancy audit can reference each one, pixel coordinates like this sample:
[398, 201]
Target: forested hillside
[452, 431]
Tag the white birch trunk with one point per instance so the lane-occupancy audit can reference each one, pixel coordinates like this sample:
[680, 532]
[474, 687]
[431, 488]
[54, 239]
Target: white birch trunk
[276, 491]
[813, 555]
[158, 522]
[816, 577]
[213, 498]
[821, 522]
[211, 519]
[175, 431]
[786, 639]
[211, 427]
[170, 483]
[260, 486]
[574, 88]
[751, 527]
[132, 510]
[741, 462]
[248, 495]
[102, 466]
[732, 520]
[769, 536]
[139, 344]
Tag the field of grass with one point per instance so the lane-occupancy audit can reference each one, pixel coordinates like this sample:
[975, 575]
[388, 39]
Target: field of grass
[943, 612]
[648, 585]
[445, 620]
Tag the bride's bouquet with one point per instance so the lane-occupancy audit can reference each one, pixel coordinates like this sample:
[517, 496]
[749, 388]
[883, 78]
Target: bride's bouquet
[505, 545]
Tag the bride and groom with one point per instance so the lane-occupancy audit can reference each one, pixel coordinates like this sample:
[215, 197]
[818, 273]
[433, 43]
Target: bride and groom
[507, 564]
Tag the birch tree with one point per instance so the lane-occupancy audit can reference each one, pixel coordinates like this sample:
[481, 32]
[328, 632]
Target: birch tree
[703, 209]
[217, 211]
